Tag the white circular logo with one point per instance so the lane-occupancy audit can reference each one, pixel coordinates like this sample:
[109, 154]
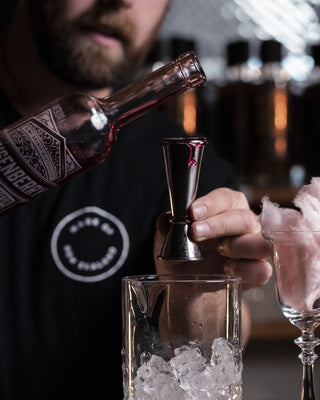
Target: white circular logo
[89, 245]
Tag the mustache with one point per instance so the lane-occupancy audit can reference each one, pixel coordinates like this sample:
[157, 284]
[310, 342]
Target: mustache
[115, 24]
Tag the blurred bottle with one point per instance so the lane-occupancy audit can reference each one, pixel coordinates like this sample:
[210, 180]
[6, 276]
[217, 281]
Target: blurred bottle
[234, 109]
[269, 161]
[310, 99]
[271, 67]
[314, 76]
[184, 108]
[298, 159]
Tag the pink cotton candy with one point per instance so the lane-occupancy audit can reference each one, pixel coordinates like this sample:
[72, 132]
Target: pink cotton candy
[296, 251]
[274, 218]
[308, 201]
[296, 261]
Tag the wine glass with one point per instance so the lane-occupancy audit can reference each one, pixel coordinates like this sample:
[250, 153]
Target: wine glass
[296, 265]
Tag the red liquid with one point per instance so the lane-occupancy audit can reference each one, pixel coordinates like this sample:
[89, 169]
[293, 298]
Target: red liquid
[192, 147]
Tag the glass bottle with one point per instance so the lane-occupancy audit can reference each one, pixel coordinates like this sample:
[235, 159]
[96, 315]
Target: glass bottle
[76, 132]
[269, 162]
[233, 136]
[310, 124]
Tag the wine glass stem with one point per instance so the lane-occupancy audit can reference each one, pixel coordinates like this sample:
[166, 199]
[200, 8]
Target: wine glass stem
[307, 383]
[307, 342]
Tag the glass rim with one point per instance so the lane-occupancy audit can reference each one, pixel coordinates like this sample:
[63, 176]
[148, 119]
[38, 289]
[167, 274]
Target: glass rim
[183, 278]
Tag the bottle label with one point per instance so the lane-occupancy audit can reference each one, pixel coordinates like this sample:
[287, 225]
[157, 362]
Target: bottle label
[33, 158]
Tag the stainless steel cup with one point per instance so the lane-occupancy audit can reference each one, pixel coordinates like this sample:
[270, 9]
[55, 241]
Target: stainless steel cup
[182, 157]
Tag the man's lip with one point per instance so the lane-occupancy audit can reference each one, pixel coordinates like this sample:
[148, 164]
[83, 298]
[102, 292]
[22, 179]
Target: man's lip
[104, 35]
[106, 41]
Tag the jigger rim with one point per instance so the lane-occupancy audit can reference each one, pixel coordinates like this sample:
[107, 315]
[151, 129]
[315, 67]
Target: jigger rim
[185, 140]
[184, 278]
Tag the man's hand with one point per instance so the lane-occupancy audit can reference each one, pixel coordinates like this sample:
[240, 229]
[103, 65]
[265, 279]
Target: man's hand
[229, 236]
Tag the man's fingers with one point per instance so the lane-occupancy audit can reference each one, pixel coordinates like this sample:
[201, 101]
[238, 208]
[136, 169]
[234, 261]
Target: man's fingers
[250, 246]
[253, 273]
[235, 222]
[217, 202]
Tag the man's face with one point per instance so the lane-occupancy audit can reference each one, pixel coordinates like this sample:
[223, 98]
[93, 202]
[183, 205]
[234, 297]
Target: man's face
[95, 43]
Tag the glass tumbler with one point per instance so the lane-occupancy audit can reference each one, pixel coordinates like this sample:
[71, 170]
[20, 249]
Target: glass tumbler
[181, 337]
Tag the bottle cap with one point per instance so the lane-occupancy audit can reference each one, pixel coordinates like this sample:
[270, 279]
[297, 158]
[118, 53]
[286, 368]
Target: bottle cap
[237, 52]
[270, 51]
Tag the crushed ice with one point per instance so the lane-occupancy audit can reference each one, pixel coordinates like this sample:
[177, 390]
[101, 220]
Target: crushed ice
[189, 375]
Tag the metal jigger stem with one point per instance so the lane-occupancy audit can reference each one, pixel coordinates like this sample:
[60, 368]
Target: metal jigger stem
[183, 157]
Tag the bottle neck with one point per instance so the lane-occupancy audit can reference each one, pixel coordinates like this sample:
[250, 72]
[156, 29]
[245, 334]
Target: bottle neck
[137, 98]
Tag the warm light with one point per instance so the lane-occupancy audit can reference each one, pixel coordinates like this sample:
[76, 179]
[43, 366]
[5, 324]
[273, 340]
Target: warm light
[189, 113]
[280, 111]
[280, 146]
[280, 123]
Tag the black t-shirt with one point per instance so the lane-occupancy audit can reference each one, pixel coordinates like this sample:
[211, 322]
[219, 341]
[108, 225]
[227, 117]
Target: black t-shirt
[62, 259]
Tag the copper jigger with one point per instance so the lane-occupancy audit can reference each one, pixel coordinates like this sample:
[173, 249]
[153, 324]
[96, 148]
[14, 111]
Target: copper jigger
[183, 157]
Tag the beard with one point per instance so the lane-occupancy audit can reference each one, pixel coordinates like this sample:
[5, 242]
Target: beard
[67, 51]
